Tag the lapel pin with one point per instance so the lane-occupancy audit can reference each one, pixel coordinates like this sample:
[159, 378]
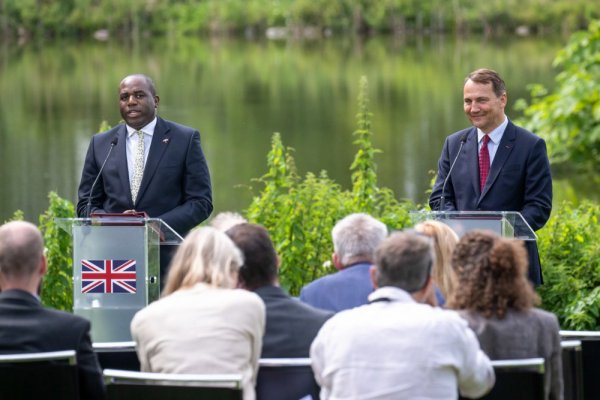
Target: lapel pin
[166, 140]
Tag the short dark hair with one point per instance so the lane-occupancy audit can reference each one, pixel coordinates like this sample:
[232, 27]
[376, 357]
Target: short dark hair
[404, 260]
[484, 76]
[260, 257]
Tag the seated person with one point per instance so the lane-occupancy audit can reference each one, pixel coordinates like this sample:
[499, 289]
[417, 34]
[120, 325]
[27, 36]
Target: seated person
[28, 327]
[355, 238]
[496, 298]
[203, 324]
[291, 324]
[397, 346]
[444, 241]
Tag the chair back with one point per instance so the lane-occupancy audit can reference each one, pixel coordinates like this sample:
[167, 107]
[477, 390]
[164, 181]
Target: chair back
[590, 360]
[518, 380]
[117, 355]
[126, 385]
[50, 375]
[572, 369]
[285, 379]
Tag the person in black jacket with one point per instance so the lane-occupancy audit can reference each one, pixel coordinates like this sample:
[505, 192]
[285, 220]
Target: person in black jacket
[291, 325]
[28, 327]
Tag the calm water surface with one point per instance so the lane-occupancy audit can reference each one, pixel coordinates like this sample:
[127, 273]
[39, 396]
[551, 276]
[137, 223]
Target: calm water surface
[238, 92]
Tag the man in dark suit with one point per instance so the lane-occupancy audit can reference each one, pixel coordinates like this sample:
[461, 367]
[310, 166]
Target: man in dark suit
[291, 325]
[28, 327]
[158, 166]
[518, 170]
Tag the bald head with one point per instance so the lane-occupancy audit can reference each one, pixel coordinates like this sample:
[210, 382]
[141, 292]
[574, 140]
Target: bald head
[21, 250]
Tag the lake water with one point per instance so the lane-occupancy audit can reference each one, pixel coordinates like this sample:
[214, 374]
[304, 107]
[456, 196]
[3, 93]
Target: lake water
[238, 92]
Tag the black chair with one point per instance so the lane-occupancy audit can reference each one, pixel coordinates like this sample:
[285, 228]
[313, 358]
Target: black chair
[133, 385]
[117, 355]
[285, 379]
[572, 368]
[590, 355]
[48, 375]
[518, 380]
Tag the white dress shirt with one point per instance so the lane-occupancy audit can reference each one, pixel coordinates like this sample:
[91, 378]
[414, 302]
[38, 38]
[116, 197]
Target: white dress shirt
[131, 145]
[396, 348]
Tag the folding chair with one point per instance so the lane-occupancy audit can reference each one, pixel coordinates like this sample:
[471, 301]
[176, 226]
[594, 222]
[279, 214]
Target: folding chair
[285, 379]
[117, 355]
[50, 375]
[133, 385]
[590, 357]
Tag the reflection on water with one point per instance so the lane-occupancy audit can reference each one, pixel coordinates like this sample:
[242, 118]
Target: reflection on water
[237, 93]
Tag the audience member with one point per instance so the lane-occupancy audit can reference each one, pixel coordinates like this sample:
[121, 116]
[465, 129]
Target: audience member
[202, 324]
[226, 219]
[498, 302]
[291, 324]
[444, 241]
[28, 327]
[396, 347]
[355, 238]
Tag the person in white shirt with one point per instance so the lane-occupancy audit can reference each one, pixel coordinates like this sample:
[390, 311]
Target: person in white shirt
[397, 346]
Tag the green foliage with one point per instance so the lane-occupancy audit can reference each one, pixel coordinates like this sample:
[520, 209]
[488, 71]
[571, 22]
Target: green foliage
[569, 247]
[569, 117]
[300, 213]
[43, 18]
[57, 288]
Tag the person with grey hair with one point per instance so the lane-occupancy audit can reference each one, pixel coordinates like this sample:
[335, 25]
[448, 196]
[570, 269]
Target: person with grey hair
[28, 327]
[398, 346]
[355, 238]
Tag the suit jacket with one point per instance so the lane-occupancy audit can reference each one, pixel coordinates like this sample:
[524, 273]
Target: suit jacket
[202, 330]
[347, 288]
[175, 186]
[291, 324]
[28, 327]
[519, 180]
[528, 334]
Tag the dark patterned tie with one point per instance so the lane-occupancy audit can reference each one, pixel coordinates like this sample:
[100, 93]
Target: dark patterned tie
[484, 162]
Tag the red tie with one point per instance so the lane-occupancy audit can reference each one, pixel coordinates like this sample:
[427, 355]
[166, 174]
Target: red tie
[484, 162]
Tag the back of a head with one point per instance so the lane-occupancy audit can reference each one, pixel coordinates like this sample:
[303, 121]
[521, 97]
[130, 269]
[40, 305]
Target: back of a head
[226, 220]
[492, 275]
[404, 260]
[206, 255]
[260, 257]
[356, 236]
[21, 249]
[444, 242]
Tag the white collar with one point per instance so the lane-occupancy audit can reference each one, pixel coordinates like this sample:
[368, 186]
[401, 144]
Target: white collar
[148, 129]
[391, 293]
[495, 134]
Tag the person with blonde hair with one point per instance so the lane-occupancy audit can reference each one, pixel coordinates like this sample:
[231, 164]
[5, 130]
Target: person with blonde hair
[202, 323]
[498, 302]
[444, 241]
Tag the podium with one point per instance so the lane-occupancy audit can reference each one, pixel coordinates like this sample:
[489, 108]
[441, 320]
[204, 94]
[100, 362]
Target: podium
[116, 269]
[507, 224]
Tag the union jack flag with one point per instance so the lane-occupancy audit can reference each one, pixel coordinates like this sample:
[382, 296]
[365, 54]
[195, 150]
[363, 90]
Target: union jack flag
[108, 276]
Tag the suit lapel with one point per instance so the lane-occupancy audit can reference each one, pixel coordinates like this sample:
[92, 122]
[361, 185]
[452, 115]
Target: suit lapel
[160, 142]
[472, 157]
[122, 161]
[505, 147]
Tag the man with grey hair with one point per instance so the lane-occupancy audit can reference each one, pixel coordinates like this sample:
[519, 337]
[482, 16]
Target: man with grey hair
[397, 346]
[355, 238]
[28, 327]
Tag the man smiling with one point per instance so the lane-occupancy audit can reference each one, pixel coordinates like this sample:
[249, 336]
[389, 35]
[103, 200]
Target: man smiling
[500, 167]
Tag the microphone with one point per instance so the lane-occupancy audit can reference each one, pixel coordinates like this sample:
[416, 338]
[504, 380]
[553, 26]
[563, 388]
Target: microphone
[113, 143]
[463, 139]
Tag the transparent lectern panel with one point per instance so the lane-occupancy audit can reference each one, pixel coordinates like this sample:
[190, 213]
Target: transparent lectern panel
[508, 224]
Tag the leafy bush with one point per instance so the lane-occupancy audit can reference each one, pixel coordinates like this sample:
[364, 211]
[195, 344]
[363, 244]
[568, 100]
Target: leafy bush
[569, 117]
[571, 266]
[300, 213]
[57, 287]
